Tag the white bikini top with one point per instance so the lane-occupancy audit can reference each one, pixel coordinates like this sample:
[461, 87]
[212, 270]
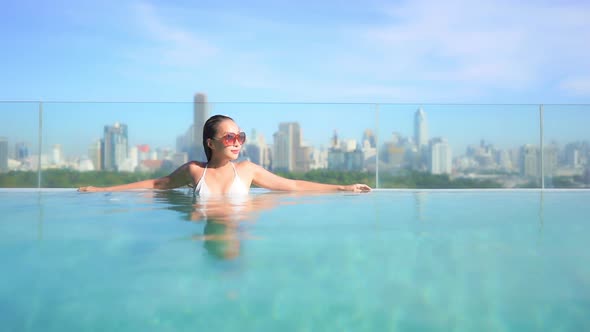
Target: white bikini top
[237, 187]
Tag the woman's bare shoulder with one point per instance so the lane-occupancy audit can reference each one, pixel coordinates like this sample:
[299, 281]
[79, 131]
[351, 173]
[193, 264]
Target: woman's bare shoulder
[197, 164]
[195, 168]
[246, 167]
[246, 164]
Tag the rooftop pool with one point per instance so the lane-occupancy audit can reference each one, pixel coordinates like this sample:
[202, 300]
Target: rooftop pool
[389, 260]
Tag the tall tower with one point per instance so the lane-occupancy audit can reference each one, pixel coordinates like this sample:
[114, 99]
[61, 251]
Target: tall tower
[370, 138]
[95, 154]
[57, 155]
[529, 161]
[116, 146]
[420, 129]
[21, 151]
[287, 142]
[3, 154]
[200, 116]
[441, 158]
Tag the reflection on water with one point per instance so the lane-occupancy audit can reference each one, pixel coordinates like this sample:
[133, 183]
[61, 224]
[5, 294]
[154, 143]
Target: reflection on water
[40, 220]
[541, 213]
[223, 217]
[420, 199]
[439, 261]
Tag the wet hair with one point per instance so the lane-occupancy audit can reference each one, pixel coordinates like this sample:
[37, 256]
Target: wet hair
[210, 130]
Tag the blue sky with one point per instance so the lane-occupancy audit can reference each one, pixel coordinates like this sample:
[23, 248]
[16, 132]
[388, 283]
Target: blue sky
[416, 52]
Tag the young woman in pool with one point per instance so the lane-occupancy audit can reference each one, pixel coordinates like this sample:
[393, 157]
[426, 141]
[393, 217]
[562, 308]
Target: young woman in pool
[223, 140]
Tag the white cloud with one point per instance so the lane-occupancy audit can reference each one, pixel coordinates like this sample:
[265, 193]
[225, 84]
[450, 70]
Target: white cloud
[494, 43]
[576, 86]
[171, 44]
[415, 51]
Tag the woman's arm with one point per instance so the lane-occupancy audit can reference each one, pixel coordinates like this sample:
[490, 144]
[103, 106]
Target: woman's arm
[268, 180]
[180, 177]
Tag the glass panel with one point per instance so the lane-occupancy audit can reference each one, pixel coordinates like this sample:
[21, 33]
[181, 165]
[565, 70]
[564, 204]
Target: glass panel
[19, 147]
[112, 143]
[566, 150]
[457, 146]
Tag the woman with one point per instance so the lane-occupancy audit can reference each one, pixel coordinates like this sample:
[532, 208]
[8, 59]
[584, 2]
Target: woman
[223, 140]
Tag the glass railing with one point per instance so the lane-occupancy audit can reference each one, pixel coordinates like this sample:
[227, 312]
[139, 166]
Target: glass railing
[566, 146]
[68, 144]
[20, 145]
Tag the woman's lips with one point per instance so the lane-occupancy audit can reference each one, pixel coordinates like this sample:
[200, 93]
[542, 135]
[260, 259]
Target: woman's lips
[235, 151]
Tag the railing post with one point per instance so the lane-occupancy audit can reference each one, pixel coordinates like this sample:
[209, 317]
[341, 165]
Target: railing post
[542, 147]
[40, 142]
[376, 146]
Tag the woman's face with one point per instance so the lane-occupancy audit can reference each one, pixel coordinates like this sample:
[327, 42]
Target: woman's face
[223, 142]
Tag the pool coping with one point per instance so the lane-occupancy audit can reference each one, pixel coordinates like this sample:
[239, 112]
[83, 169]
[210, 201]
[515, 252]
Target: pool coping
[259, 190]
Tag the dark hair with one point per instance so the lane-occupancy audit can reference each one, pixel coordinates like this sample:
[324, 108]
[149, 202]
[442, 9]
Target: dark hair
[210, 130]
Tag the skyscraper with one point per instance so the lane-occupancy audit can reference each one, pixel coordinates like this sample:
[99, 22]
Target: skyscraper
[116, 146]
[420, 129]
[56, 155]
[370, 138]
[287, 143]
[253, 149]
[440, 156]
[200, 116]
[3, 154]
[529, 161]
[21, 150]
[95, 154]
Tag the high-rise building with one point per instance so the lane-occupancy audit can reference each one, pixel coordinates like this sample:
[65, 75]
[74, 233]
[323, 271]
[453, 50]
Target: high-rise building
[392, 155]
[116, 146]
[550, 159]
[319, 158]
[21, 151]
[179, 158]
[349, 156]
[441, 159]
[95, 154]
[287, 143]
[200, 116]
[143, 153]
[253, 149]
[3, 154]
[185, 143]
[56, 155]
[529, 162]
[369, 137]
[420, 129]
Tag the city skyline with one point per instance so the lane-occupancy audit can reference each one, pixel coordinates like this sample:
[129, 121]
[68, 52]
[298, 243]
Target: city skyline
[289, 152]
[159, 124]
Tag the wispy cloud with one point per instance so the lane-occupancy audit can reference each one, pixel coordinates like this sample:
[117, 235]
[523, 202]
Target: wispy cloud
[576, 86]
[172, 44]
[492, 43]
[455, 50]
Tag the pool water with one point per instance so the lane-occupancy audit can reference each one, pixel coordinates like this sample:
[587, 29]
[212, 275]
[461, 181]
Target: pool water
[382, 261]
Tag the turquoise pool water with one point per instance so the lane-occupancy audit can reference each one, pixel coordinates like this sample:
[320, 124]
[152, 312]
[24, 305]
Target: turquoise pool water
[383, 261]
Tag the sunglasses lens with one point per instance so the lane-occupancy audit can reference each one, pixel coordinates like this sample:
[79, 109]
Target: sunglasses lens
[231, 138]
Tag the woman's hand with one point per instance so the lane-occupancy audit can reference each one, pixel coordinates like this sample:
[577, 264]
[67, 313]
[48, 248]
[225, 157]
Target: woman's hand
[90, 189]
[357, 188]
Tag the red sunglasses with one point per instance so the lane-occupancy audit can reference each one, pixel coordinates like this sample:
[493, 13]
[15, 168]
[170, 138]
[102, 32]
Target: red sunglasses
[231, 138]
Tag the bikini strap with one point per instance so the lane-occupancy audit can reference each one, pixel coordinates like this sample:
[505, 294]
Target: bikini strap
[235, 170]
[204, 172]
